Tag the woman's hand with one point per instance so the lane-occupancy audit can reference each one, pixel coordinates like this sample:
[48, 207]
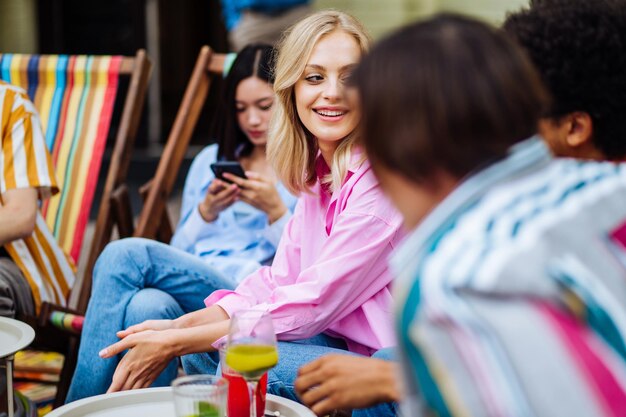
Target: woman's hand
[147, 325]
[261, 193]
[219, 196]
[344, 382]
[150, 352]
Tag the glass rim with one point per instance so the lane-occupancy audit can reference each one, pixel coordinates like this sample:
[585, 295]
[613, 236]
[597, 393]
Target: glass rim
[218, 382]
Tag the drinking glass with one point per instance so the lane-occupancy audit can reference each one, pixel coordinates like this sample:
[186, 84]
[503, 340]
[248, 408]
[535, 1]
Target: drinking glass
[200, 396]
[251, 348]
[238, 404]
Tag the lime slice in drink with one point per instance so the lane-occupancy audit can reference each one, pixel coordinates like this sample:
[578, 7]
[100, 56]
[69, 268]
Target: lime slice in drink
[206, 409]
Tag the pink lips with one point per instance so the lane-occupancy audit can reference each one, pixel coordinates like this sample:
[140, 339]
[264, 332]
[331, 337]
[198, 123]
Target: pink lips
[256, 134]
[330, 114]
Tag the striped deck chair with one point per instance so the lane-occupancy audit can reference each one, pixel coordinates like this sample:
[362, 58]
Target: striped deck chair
[158, 189]
[75, 97]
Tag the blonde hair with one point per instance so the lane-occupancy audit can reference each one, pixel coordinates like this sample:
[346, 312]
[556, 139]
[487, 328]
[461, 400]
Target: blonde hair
[291, 149]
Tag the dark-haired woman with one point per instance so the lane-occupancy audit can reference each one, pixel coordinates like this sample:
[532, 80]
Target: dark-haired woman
[225, 233]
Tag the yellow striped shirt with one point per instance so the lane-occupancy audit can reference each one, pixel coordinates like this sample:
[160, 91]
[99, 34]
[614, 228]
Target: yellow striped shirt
[26, 163]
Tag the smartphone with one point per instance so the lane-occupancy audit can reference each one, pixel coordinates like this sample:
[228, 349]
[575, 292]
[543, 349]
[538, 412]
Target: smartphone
[232, 167]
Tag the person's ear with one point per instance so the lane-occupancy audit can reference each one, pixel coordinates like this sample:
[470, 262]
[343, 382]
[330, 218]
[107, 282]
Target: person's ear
[579, 128]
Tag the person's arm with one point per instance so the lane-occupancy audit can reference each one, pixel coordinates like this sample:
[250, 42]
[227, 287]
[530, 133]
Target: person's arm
[350, 270]
[262, 193]
[192, 226]
[26, 172]
[196, 318]
[340, 381]
[18, 213]
[150, 351]
[152, 345]
[274, 231]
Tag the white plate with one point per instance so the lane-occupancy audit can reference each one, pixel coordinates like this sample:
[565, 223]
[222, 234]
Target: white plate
[154, 402]
[14, 336]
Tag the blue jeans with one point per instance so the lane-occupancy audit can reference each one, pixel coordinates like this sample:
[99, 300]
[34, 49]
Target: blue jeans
[384, 409]
[293, 355]
[136, 280]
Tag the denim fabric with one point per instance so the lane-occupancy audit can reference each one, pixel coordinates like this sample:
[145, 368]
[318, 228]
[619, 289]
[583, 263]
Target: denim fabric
[384, 409]
[293, 355]
[136, 280]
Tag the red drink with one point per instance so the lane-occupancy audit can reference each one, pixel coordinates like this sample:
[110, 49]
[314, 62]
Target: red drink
[239, 395]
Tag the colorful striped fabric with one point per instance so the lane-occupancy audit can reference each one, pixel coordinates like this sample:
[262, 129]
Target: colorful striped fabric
[74, 96]
[513, 293]
[25, 163]
[67, 321]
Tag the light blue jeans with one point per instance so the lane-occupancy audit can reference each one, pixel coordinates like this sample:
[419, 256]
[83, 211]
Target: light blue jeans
[136, 280]
[293, 355]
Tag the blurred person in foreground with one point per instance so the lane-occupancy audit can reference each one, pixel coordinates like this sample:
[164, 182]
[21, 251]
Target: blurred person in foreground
[510, 287]
[579, 48]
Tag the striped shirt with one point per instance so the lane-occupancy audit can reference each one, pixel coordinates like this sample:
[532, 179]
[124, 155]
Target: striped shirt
[25, 163]
[512, 292]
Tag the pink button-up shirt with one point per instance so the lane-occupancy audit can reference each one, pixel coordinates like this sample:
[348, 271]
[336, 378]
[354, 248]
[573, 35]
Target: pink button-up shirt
[330, 270]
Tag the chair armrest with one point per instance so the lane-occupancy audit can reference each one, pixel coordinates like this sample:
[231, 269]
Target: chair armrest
[63, 318]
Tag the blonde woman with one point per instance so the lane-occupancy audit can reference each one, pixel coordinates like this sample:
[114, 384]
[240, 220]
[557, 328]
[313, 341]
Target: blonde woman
[328, 286]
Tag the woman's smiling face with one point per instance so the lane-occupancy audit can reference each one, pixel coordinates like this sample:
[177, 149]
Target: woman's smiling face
[320, 94]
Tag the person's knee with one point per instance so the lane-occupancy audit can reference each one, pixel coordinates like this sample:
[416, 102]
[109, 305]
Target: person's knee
[388, 354]
[120, 258]
[200, 363]
[151, 304]
[278, 387]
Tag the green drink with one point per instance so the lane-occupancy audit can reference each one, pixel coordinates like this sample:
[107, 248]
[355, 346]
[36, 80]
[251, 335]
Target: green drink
[251, 361]
[200, 396]
[206, 410]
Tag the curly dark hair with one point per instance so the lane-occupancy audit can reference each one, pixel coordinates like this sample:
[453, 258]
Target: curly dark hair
[579, 47]
[466, 91]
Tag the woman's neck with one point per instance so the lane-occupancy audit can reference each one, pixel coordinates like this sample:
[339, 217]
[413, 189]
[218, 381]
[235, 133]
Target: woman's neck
[328, 151]
[258, 153]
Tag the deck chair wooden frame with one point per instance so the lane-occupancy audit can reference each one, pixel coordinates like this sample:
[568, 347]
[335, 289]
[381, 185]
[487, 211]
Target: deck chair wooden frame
[49, 336]
[153, 221]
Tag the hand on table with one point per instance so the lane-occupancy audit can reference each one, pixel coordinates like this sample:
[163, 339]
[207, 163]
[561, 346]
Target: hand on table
[260, 192]
[342, 381]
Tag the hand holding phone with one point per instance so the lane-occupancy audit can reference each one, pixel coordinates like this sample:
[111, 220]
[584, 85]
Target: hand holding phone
[232, 167]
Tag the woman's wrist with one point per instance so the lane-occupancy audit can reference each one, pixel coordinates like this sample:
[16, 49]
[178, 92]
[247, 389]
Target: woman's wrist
[206, 214]
[177, 342]
[389, 373]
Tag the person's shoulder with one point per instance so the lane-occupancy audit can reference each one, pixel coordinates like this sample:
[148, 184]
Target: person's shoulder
[200, 167]
[208, 154]
[20, 98]
[365, 196]
[561, 191]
